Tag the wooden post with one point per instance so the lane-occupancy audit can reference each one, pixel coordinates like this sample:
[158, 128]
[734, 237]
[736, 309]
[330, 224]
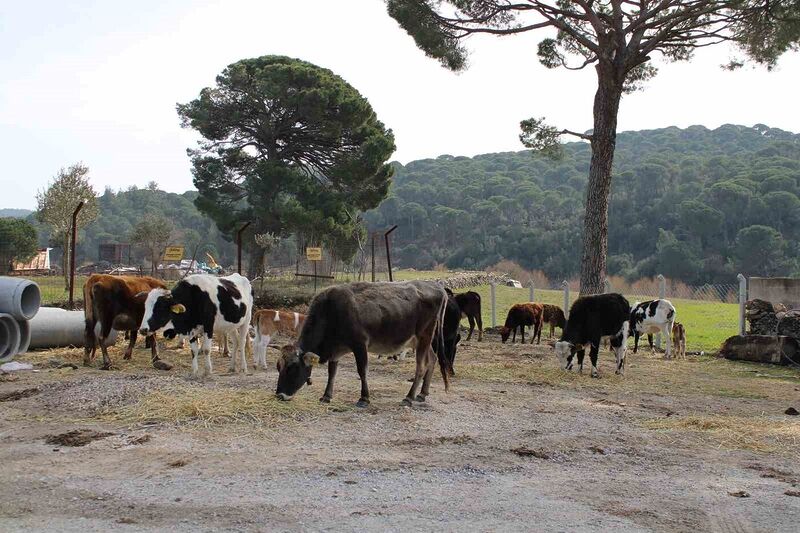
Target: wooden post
[239, 247]
[388, 252]
[493, 298]
[565, 286]
[742, 301]
[530, 288]
[72, 253]
[662, 294]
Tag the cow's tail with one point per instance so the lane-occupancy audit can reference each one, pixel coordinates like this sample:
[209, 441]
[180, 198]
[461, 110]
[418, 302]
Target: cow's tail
[444, 363]
[88, 304]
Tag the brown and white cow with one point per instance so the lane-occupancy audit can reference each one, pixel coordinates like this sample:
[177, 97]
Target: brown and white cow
[360, 317]
[111, 301]
[269, 322]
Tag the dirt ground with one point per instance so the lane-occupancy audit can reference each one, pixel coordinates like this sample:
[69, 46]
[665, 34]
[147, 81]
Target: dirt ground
[517, 444]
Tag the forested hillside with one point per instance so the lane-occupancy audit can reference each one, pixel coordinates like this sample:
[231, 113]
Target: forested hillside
[119, 212]
[694, 204]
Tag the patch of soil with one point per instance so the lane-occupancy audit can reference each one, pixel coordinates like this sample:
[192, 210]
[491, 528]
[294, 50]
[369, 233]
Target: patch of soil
[19, 394]
[178, 464]
[76, 438]
[524, 451]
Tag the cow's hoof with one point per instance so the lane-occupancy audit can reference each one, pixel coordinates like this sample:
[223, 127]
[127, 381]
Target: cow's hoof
[595, 375]
[105, 367]
[309, 382]
[325, 399]
[127, 357]
[420, 398]
[406, 402]
[410, 380]
[452, 373]
[161, 365]
[362, 403]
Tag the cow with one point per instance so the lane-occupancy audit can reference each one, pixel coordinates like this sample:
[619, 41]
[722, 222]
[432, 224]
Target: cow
[201, 306]
[679, 339]
[653, 316]
[519, 316]
[452, 323]
[360, 317]
[591, 318]
[111, 301]
[470, 305]
[554, 316]
[267, 323]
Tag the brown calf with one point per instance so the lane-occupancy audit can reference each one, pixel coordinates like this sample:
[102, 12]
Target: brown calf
[679, 340]
[469, 303]
[553, 315]
[519, 316]
[268, 323]
[112, 301]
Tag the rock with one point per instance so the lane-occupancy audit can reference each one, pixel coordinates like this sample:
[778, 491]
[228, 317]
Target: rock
[791, 412]
[739, 494]
[789, 324]
[760, 349]
[762, 317]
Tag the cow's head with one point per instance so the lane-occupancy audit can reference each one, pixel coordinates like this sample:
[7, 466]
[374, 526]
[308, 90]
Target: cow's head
[565, 351]
[504, 333]
[294, 369]
[159, 310]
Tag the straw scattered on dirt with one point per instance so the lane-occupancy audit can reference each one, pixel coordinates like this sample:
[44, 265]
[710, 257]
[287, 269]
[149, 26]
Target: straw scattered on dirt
[730, 432]
[76, 438]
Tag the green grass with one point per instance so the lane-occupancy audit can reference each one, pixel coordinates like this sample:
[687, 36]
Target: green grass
[707, 323]
[409, 275]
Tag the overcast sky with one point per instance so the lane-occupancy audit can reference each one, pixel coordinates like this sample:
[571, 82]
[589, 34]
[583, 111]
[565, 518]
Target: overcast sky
[98, 82]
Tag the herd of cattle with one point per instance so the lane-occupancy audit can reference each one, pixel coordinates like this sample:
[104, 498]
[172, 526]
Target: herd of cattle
[357, 318]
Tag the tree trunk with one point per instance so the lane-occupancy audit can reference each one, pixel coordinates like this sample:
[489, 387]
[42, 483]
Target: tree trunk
[255, 262]
[598, 189]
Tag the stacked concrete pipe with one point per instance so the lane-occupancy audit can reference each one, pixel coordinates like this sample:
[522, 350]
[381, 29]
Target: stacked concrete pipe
[24, 325]
[19, 303]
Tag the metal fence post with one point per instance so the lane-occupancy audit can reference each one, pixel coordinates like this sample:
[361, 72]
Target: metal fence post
[742, 300]
[565, 285]
[662, 294]
[72, 253]
[492, 286]
[531, 290]
[608, 286]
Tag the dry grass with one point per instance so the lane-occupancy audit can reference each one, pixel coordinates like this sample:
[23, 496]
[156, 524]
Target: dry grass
[758, 434]
[206, 407]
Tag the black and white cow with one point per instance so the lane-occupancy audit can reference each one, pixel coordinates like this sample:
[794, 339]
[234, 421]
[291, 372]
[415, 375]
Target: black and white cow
[590, 319]
[654, 316]
[199, 307]
[358, 317]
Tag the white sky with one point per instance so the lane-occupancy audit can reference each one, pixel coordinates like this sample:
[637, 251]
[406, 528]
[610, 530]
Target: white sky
[97, 82]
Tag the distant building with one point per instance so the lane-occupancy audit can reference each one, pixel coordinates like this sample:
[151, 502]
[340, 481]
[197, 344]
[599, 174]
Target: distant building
[40, 262]
[115, 253]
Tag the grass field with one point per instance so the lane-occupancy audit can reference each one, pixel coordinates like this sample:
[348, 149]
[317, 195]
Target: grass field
[707, 323]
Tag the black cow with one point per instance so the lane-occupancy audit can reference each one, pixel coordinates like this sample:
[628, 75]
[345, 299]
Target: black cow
[357, 317]
[452, 322]
[470, 305]
[590, 318]
[200, 306]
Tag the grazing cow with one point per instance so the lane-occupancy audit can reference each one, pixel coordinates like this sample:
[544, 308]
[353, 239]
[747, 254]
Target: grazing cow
[679, 339]
[654, 316]
[452, 320]
[591, 318]
[360, 317]
[519, 316]
[470, 305]
[201, 306]
[553, 315]
[112, 301]
[268, 322]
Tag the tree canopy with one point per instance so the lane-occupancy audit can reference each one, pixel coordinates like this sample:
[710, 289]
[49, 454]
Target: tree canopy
[619, 39]
[291, 147]
[17, 242]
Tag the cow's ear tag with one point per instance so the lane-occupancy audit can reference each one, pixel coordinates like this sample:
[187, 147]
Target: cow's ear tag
[310, 359]
[178, 309]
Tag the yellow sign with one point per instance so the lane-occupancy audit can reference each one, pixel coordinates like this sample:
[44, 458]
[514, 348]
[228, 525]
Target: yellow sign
[173, 253]
[314, 254]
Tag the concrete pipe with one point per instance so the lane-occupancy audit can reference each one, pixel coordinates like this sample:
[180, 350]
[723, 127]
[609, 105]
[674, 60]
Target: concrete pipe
[19, 297]
[24, 336]
[53, 328]
[9, 337]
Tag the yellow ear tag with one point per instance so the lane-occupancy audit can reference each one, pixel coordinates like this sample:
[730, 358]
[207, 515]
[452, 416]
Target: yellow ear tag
[178, 309]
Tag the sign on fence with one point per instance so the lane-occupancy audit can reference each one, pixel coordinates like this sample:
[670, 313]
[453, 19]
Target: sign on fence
[314, 254]
[173, 253]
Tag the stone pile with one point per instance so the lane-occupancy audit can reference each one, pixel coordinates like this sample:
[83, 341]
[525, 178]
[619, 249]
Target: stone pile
[761, 316]
[789, 324]
[471, 279]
